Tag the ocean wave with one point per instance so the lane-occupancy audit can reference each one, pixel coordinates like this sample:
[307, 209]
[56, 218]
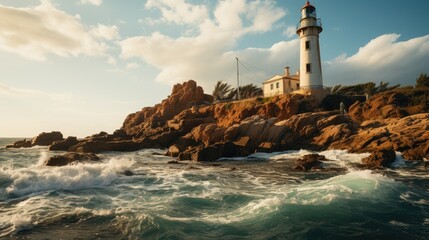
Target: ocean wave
[80, 176]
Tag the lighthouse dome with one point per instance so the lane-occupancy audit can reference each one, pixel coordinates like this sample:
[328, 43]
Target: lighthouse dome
[308, 11]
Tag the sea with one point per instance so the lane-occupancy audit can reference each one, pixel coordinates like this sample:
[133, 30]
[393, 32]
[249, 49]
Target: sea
[139, 195]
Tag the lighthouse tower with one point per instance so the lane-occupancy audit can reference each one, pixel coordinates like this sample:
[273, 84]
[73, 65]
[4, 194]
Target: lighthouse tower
[308, 30]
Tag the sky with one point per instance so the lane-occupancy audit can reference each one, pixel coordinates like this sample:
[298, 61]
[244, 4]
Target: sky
[81, 66]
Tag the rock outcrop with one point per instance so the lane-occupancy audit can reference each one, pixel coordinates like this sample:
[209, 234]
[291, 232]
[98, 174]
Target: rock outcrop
[71, 158]
[20, 144]
[43, 139]
[63, 145]
[380, 158]
[46, 139]
[191, 128]
[310, 162]
[183, 96]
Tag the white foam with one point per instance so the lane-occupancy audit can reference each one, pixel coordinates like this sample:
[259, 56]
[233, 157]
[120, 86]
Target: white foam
[399, 160]
[43, 158]
[80, 176]
[400, 224]
[21, 223]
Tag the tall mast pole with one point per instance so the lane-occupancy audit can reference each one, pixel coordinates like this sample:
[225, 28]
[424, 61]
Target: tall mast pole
[238, 81]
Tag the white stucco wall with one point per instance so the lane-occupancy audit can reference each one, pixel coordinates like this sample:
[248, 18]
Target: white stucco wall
[313, 79]
[268, 92]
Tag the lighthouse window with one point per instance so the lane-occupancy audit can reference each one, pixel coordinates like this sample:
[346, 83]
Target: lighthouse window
[308, 67]
[307, 45]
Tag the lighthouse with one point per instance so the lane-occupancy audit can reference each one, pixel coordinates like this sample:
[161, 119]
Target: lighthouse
[308, 30]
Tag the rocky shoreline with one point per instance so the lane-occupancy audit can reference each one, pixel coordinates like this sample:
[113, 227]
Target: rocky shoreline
[192, 127]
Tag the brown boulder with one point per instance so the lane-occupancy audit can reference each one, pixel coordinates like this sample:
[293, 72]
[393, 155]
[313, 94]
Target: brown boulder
[310, 162]
[419, 153]
[46, 139]
[208, 154]
[102, 146]
[383, 105]
[63, 145]
[267, 147]
[71, 158]
[20, 144]
[380, 158]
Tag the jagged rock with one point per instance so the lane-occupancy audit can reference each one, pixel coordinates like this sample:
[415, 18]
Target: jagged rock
[102, 146]
[71, 158]
[20, 144]
[182, 97]
[46, 139]
[310, 162]
[380, 158]
[390, 104]
[419, 153]
[243, 142]
[267, 147]
[63, 145]
[208, 154]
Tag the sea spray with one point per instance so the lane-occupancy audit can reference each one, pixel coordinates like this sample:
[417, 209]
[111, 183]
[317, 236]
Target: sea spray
[251, 198]
[79, 176]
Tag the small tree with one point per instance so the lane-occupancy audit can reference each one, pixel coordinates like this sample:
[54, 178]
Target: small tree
[422, 80]
[250, 90]
[221, 91]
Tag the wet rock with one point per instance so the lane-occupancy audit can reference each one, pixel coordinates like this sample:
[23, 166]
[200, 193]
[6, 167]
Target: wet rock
[71, 158]
[46, 139]
[310, 162]
[208, 154]
[20, 144]
[63, 145]
[128, 173]
[267, 147]
[380, 158]
[92, 146]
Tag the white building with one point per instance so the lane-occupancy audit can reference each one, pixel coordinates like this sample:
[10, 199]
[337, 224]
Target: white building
[281, 84]
[308, 30]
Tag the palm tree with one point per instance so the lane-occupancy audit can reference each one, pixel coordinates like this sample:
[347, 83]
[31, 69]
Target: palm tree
[248, 91]
[422, 80]
[221, 91]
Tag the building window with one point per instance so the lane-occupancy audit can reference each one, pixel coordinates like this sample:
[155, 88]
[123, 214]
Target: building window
[297, 86]
[272, 86]
[277, 85]
[308, 67]
[307, 45]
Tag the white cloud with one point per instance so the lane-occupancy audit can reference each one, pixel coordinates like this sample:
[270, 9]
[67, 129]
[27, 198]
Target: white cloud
[384, 58]
[149, 21]
[207, 56]
[179, 11]
[105, 32]
[22, 92]
[93, 2]
[265, 14]
[290, 32]
[42, 30]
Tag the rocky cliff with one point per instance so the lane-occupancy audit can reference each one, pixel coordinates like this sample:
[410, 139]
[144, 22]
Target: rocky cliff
[193, 128]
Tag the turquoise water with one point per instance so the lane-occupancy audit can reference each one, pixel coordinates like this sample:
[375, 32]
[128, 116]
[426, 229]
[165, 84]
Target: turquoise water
[258, 197]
